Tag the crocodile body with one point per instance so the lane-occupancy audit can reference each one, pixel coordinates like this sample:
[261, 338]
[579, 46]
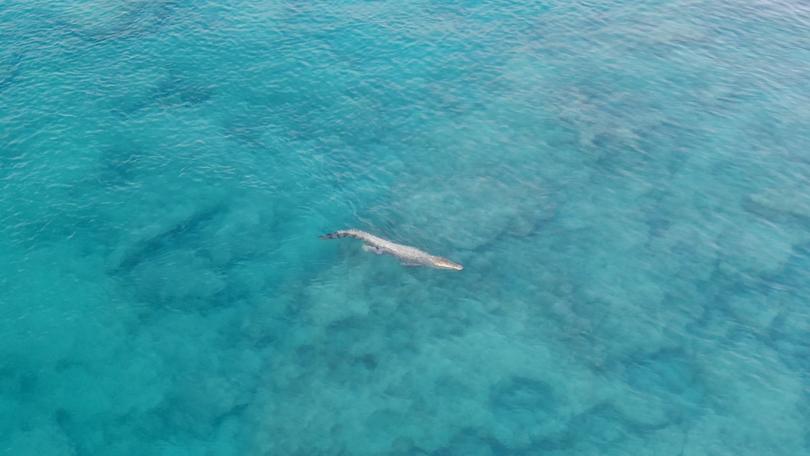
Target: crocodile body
[409, 256]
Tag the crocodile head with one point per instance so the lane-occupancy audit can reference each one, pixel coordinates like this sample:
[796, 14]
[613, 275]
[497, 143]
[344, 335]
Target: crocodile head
[444, 263]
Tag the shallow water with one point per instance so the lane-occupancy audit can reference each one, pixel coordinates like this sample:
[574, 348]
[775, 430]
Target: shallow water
[626, 183]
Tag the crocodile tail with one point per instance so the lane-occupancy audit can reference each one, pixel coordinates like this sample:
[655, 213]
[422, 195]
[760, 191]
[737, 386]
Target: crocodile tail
[336, 235]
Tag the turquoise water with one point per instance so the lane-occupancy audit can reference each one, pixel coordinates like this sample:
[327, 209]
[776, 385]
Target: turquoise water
[626, 183]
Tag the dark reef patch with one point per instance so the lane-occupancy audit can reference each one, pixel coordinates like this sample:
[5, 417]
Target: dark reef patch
[135, 19]
[171, 92]
[10, 69]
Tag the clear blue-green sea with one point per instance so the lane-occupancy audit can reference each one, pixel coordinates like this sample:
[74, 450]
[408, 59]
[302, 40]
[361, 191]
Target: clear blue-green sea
[627, 184]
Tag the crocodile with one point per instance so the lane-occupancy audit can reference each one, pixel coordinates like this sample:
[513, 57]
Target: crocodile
[407, 255]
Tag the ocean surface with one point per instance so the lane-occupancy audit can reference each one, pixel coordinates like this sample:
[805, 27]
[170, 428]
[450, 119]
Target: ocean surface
[627, 184]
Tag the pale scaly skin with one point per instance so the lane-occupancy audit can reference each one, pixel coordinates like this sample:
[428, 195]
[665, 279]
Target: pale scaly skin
[408, 255]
